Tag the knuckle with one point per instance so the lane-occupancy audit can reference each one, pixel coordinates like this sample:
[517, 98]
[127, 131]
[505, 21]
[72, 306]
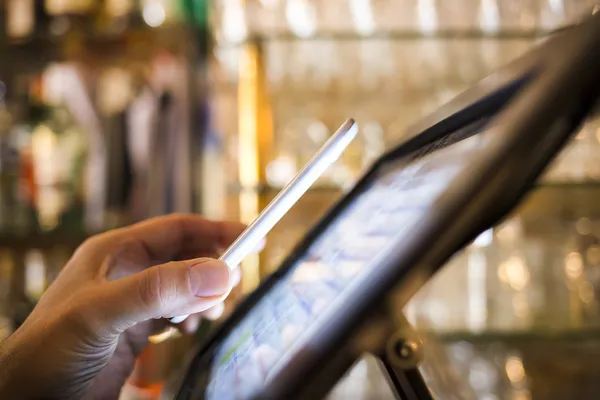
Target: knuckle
[95, 244]
[91, 243]
[149, 288]
[154, 289]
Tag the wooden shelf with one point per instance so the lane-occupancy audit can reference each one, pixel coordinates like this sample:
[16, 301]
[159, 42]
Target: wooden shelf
[536, 335]
[235, 189]
[42, 240]
[132, 44]
[398, 35]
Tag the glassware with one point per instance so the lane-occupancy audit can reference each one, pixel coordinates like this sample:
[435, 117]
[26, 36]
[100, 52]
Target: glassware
[363, 381]
[35, 274]
[20, 18]
[58, 148]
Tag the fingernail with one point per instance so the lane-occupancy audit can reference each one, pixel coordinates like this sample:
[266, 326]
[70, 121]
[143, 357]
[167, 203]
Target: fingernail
[215, 312]
[209, 279]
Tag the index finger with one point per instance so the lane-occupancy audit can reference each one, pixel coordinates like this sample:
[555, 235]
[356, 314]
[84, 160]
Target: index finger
[166, 237]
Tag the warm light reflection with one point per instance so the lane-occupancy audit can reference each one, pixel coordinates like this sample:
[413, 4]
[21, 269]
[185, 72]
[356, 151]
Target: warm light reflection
[484, 239]
[522, 395]
[50, 203]
[255, 135]
[248, 169]
[593, 255]
[56, 77]
[374, 142]
[362, 15]
[477, 270]
[248, 111]
[584, 226]
[35, 274]
[482, 375]
[118, 8]
[557, 7]
[514, 272]
[317, 132]
[301, 17]
[514, 369]
[520, 304]
[509, 232]
[115, 90]
[586, 293]
[168, 333]
[60, 7]
[154, 14]
[234, 21]
[427, 14]
[269, 3]
[43, 148]
[281, 171]
[489, 18]
[573, 265]
[20, 18]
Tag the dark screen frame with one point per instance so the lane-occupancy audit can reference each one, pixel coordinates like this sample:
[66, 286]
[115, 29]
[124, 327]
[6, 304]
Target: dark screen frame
[535, 105]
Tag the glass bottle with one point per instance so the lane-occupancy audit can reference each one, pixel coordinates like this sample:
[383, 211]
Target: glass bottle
[156, 13]
[65, 7]
[61, 141]
[509, 279]
[35, 274]
[67, 15]
[20, 18]
[116, 15]
[23, 214]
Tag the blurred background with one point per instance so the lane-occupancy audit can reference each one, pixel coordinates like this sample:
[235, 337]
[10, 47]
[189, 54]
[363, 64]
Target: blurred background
[112, 111]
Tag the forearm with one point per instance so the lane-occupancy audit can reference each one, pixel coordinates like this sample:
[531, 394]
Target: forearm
[26, 373]
[8, 374]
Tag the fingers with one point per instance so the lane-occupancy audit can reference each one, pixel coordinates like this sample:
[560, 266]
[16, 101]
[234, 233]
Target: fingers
[164, 291]
[236, 276]
[190, 324]
[214, 312]
[166, 237]
[172, 289]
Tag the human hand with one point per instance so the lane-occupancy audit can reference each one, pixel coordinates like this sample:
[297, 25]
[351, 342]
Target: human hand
[82, 338]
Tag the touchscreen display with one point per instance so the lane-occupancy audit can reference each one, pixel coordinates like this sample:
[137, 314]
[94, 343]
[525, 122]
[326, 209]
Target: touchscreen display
[278, 326]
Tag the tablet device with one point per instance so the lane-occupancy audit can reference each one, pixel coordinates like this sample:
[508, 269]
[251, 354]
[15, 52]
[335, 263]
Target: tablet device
[464, 168]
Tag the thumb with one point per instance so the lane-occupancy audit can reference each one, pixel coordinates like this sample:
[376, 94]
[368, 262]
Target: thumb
[167, 290]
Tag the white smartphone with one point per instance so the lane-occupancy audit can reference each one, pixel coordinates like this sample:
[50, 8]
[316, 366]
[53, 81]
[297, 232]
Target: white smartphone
[281, 204]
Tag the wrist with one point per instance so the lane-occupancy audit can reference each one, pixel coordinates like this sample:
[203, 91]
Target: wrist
[8, 371]
[20, 376]
[29, 371]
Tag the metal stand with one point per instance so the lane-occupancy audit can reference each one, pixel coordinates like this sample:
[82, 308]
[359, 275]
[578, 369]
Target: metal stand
[401, 360]
[390, 339]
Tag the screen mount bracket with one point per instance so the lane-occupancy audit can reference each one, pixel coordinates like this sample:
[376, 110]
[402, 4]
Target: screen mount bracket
[390, 339]
[401, 358]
